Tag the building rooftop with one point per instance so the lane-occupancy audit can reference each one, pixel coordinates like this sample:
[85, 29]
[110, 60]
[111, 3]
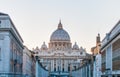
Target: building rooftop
[3, 13]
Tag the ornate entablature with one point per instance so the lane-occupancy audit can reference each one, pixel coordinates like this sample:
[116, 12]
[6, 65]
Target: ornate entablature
[60, 49]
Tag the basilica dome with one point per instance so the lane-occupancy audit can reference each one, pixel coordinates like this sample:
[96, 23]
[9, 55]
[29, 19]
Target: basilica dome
[60, 34]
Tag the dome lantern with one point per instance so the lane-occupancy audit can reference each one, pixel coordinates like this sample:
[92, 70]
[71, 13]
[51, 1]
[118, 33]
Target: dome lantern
[60, 25]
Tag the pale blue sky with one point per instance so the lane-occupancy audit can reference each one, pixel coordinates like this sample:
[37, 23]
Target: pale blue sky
[82, 19]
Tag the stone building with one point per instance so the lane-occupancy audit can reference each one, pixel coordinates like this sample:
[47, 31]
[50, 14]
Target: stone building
[110, 50]
[11, 48]
[96, 58]
[60, 57]
[28, 63]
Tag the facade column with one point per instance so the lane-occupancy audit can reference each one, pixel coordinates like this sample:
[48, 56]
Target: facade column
[49, 70]
[83, 71]
[70, 70]
[56, 64]
[89, 71]
[61, 64]
[109, 60]
[5, 65]
[86, 70]
[37, 67]
[66, 65]
[83, 74]
[94, 69]
[53, 65]
[115, 75]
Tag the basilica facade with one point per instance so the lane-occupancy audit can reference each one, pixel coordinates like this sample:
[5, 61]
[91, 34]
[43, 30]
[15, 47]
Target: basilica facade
[60, 55]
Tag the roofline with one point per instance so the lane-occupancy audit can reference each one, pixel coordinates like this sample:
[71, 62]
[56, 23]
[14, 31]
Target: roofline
[15, 28]
[3, 14]
[113, 28]
[110, 41]
[12, 24]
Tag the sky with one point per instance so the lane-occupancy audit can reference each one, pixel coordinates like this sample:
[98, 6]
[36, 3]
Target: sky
[82, 19]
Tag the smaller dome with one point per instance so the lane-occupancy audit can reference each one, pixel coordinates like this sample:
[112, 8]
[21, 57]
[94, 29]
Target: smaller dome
[75, 46]
[37, 48]
[44, 46]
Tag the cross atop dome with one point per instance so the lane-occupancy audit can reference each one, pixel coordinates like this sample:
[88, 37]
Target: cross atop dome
[60, 25]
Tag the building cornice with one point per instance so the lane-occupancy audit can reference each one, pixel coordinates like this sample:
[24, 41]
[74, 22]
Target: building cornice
[14, 35]
[16, 29]
[109, 41]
